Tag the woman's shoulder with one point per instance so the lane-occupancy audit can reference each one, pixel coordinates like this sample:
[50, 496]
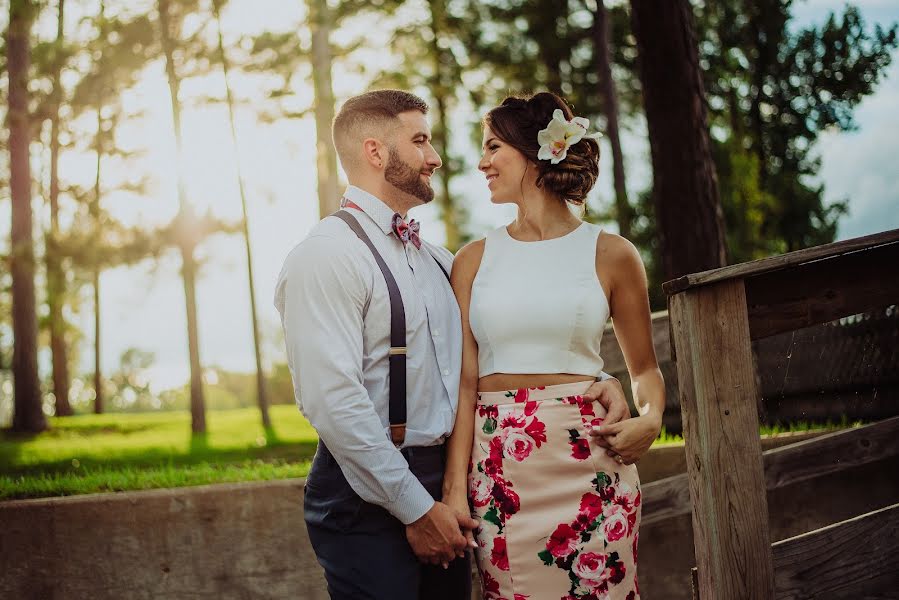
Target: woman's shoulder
[615, 249]
[468, 258]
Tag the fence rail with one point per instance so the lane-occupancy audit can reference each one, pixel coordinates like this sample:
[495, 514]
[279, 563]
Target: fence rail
[823, 456]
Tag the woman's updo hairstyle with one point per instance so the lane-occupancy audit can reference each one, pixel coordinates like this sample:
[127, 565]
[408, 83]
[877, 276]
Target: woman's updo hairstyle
[516, 122]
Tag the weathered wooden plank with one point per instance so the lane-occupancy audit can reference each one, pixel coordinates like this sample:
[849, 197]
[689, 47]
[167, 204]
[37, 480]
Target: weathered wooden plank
[822, 291]
[826, 455]
[776, 263]
[844, 560]
[665, 499]
[718, 392]
[831, 453]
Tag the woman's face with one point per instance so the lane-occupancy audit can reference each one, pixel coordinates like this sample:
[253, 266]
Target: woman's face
[506, 169]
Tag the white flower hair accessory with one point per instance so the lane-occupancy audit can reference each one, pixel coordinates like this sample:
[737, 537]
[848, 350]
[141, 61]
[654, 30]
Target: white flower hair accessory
[560, 135]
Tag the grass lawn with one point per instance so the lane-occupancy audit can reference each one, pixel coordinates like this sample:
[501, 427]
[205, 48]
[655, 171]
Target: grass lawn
[118, 451]
[125, 451]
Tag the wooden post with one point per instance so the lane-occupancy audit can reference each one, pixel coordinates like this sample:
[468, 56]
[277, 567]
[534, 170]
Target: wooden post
[718, 392]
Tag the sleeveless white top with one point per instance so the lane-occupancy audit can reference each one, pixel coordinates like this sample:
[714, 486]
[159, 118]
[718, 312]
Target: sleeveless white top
[539, 307]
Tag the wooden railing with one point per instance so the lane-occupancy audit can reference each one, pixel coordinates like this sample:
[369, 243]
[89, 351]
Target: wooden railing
[714, 317]
[824, 456]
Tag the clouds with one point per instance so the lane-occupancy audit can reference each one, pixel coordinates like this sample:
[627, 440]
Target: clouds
[863, 165]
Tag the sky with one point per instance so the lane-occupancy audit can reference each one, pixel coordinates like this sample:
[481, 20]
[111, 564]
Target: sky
[143, 306]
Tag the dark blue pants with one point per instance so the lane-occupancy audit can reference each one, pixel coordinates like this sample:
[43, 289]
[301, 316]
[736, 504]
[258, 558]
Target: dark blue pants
[363, 548]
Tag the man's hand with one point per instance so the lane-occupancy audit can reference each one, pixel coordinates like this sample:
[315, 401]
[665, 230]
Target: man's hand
[436, 538]
[610, 395]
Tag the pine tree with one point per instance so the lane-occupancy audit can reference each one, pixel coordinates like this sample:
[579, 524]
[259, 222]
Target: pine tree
[28, 415]
[685, 187]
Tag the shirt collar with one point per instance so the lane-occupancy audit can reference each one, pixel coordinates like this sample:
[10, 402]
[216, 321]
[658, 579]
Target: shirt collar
[374, 207]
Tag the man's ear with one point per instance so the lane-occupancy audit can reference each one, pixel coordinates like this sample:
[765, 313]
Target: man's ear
[375, 152]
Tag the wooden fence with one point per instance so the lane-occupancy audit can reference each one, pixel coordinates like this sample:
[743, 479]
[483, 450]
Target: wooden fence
[847, 368]
[714, 317]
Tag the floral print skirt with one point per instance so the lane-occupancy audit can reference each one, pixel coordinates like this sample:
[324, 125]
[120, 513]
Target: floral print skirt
[558, 516]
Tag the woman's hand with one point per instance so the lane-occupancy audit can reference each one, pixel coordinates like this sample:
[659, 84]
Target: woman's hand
[610, 395]
[627, 441]
[459, 504]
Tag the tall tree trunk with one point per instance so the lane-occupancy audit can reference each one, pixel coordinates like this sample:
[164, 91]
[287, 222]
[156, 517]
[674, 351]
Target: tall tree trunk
[28, 414]
[601, 29]
[94, 210]
[685, 187]
[550, 53]
[326, 159]
[185, 216]
[261, 395]
[441, 90]
[56, 282]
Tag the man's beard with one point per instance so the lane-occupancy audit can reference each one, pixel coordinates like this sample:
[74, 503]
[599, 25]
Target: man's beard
[406, 178]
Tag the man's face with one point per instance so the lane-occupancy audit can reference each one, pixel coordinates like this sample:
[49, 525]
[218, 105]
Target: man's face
[411, 159]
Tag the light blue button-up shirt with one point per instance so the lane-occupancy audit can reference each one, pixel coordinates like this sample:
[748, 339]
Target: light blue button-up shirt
[335, 311]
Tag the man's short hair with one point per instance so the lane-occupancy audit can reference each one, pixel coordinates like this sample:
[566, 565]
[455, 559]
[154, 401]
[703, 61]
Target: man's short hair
[367, 115]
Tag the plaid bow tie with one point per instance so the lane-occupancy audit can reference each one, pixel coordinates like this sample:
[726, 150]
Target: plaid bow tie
[407, 232]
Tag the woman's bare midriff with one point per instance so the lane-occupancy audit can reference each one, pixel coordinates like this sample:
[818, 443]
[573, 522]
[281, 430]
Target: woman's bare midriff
[500, 382]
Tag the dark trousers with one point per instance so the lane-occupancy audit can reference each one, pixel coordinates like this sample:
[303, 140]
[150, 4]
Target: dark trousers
[363, 548]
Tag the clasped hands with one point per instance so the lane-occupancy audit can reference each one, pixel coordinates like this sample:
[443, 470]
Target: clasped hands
[442, 534]
[625, 439]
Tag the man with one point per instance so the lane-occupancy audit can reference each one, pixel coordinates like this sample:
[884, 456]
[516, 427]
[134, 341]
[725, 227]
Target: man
[372, 504]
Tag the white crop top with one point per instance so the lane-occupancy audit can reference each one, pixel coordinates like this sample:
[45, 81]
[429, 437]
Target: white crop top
[539, 307]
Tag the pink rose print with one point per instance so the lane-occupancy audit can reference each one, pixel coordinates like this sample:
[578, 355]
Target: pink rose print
[590, 567]
[616, 527]
[563, 541]
[498, 556]
[480, 485]
[517, 444]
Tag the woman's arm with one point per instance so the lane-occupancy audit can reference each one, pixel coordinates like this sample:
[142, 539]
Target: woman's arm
[455, 479]
[629, 304]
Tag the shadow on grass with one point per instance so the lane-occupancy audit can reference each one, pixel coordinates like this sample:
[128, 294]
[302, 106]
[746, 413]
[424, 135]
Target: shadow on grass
[199, 443]
[271, 438]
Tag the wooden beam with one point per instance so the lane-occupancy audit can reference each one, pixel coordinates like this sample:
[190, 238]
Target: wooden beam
[844, 560]
[824, 456]
[783, 261]
[718, 392]
[822, 291]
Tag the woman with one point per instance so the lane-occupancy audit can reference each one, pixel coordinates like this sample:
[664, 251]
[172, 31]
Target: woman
[558, 513]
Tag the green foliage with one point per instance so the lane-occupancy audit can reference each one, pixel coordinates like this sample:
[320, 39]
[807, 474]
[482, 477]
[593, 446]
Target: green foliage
[772, 90]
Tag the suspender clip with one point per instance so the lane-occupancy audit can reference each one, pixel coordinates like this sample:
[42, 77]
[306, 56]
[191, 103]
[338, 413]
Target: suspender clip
[397, 350]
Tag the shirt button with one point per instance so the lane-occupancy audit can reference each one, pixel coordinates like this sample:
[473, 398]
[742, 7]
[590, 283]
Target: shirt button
[446, 372]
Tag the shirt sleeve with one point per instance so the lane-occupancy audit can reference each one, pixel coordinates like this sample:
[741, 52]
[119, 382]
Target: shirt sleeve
[321, 295]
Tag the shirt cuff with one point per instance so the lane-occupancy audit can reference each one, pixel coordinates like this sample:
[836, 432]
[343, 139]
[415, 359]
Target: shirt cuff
[413, 501]
[603, 376]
